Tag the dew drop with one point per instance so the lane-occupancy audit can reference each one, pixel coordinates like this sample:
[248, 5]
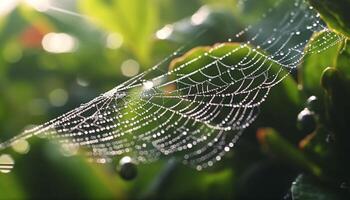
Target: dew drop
[127, 168]
[6, 163]
[148, 85]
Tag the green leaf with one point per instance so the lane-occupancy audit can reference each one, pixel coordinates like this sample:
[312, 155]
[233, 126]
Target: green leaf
[343, 60]
[338, 108]
[307, 188]
[335, 13]
[135, 20]
[315, 63]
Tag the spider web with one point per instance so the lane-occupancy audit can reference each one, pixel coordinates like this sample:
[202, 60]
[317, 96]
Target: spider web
[197, 115]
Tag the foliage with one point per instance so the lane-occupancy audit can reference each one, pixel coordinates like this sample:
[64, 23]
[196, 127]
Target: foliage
[335, 13]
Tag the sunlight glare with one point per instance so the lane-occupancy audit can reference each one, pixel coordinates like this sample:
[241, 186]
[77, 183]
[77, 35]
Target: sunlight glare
[165, 32]
[6, 6]
[130, 68]
[114, 41]
[200, 16]
[59, 43]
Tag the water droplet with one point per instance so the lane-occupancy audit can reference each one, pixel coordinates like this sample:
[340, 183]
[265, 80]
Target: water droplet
[148, 85]
[306, 121]
[6, 163]
[127, 168]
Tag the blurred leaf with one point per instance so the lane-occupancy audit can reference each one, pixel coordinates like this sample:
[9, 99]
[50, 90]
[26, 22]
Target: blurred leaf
[201, 185]
[335, 13]
[275, 144]
[221, 3]
[320, 147]
[307, 188]
[338, 108]
[171, 10]
[252, 10]
[10, 187]
[267, 178]
[8, 30]
[215, 25]
[135, 20]
[53, 175]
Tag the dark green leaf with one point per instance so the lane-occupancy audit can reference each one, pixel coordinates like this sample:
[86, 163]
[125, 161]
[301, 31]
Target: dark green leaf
[314, 64]
[335, 13]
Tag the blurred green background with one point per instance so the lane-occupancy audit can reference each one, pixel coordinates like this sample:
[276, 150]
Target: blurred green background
[52, 59]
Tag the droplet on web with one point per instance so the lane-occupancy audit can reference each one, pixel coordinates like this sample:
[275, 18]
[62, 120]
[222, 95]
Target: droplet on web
[148, 85]
[6, 163]
[127, 168]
